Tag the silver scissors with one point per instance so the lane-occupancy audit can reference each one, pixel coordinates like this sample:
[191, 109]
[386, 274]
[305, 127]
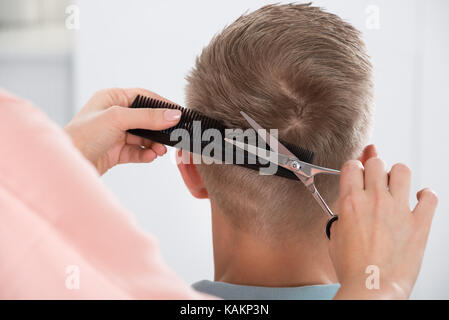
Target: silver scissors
[305, 172]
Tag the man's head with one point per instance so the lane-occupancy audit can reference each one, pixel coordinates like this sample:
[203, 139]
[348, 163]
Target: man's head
[297, 69]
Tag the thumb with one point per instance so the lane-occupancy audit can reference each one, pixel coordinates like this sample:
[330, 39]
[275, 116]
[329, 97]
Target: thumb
[425, 209]
[145, 118]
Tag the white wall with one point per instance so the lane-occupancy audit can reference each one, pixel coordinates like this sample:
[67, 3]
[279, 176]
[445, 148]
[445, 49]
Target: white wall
[36, 64]
[152, 44]
[36, 55]
[46, 80]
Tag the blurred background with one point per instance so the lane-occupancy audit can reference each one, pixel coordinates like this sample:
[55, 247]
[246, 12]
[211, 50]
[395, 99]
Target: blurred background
[56, 53]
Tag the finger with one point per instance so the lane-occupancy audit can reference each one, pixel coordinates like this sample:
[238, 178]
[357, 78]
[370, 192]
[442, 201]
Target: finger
[151, 119]
[376, 177]
[400, 181]
[159, 148]
[368, 153]
[138, 141]
[351, 177]
[136, 154]
[425, 209]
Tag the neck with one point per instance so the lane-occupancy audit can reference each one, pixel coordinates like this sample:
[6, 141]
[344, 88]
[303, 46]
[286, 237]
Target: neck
[245, 259]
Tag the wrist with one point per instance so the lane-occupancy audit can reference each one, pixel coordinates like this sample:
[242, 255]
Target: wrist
[78, 142]
[358, 290]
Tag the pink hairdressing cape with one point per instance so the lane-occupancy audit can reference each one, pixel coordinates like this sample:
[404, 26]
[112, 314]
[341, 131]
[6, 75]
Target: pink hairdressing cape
[63, 235]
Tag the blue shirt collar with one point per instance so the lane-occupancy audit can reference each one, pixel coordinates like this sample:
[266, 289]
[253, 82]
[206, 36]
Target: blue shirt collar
[229, 291]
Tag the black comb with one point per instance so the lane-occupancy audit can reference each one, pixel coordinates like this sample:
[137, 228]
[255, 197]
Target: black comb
[186, 122]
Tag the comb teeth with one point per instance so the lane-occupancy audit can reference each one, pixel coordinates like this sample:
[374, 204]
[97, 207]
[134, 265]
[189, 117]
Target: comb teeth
[188, 117]
[302, 154]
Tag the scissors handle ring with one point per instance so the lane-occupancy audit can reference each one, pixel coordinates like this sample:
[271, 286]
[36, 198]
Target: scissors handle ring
[329, 225]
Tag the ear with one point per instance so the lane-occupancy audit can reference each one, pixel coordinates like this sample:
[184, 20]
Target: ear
[368, 153]
[190, 175]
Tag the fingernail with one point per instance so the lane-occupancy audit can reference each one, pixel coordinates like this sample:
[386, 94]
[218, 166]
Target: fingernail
[172, 114]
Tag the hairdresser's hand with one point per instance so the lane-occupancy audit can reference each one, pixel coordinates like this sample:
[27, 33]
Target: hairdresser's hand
[99, 129]
[377, 228]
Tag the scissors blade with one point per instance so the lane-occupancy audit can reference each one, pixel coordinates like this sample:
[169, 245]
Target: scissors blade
[268, 155]
[272, 141]
[285, 156]
[268, 138]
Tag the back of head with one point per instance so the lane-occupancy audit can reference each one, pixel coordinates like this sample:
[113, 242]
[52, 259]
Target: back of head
[297, 69]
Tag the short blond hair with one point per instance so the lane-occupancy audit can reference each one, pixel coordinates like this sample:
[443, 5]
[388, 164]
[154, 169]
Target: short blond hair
[302, 71]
